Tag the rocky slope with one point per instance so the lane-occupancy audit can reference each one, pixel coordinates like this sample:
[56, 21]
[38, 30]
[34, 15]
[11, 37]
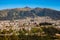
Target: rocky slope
[20, 13]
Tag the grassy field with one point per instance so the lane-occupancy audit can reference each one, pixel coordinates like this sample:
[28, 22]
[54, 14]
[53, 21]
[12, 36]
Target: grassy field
[36, 33]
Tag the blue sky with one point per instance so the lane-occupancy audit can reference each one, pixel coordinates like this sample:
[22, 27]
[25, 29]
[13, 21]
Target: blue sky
[8, 4]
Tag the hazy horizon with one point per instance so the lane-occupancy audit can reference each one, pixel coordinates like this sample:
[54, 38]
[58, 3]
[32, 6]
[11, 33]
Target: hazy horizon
[10, 4]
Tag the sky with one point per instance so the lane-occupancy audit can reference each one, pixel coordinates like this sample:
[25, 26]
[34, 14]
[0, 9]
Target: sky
[9, 4]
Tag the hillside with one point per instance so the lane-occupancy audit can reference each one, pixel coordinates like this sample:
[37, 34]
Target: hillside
[20, 13]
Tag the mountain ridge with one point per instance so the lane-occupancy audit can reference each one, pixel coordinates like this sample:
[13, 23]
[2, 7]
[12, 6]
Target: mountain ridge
[21, 13]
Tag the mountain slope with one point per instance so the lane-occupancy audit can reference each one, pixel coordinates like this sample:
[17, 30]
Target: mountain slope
[19, 13]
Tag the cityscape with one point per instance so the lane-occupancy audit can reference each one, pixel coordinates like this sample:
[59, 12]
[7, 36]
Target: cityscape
[29, 19]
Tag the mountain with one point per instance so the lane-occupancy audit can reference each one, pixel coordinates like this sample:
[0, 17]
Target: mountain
[21, 13]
